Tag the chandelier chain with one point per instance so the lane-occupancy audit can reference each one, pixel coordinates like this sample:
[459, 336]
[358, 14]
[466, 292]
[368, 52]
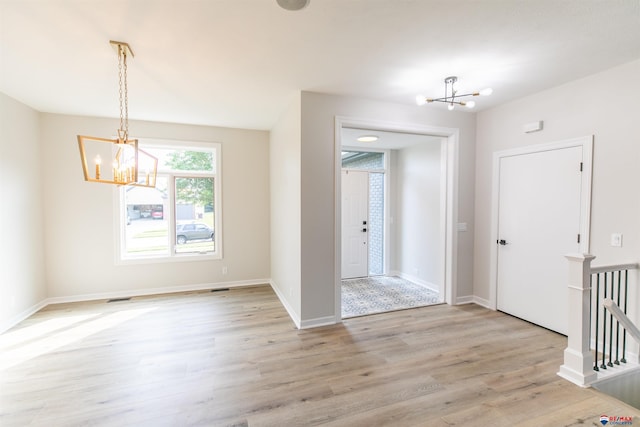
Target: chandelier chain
[126, 98]
[123, 92]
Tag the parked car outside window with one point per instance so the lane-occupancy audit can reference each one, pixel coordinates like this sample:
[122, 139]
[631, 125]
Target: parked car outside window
[195, 231]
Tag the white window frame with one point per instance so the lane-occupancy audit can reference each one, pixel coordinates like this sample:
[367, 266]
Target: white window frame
[172, 256]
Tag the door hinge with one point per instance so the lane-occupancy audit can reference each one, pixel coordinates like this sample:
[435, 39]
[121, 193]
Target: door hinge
[581, 166]
[578, 238]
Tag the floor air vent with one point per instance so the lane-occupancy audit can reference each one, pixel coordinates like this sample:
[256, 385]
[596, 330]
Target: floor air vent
[220, 290]
[119, 299]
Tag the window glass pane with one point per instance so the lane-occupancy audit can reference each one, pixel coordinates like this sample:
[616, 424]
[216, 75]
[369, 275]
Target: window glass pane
[176, 159]
[194, 215]
[182, 202]
[362, 160]
[146, 230]
[376, 224]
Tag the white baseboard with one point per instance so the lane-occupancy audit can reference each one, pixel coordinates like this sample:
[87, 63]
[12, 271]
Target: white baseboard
[472, 299]
[292, 313]
[125, 294]
[483, 302]
[320, 321]
[295, 317]
[14, 320]
[155, 291]
[469, 299]
[301, 324]
[413, 279]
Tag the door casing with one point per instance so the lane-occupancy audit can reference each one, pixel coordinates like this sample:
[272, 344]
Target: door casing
[449, 192]
[586, 142]
[539, 220]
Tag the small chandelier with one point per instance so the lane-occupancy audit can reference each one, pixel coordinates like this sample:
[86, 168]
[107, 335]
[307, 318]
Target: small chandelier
[451, 96]
[129, 165]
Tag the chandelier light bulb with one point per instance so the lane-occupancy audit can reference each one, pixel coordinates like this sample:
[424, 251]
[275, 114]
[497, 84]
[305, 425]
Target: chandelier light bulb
[421, 99]
[470, 104]
[486, 92]
[450, 107]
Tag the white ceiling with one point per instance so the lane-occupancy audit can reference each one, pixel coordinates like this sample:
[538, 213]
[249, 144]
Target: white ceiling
[238, 63]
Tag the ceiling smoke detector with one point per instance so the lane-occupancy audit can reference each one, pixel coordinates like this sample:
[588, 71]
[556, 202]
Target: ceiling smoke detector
[293, 4]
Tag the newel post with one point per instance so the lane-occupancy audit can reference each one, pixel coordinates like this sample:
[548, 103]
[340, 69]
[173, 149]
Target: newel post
[578, 359]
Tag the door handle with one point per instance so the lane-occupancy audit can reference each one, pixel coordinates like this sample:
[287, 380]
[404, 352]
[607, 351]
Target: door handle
[501, 242]
[364, 230]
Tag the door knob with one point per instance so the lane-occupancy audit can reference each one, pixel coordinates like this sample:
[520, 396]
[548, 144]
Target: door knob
[501, 242]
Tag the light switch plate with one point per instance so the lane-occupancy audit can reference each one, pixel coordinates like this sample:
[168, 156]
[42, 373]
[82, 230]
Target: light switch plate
[616, 240]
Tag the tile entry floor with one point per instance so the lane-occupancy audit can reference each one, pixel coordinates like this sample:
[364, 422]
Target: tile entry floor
[379, 294]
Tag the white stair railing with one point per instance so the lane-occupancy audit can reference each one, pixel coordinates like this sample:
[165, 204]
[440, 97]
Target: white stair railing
[578, 359]
[581, 365]
[622, 318]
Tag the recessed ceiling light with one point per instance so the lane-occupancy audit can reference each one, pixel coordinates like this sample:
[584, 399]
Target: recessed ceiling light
[293, 4]
[367, 138]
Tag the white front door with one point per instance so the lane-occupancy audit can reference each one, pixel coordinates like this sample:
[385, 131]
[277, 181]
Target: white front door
[539, 212]
[355, 207]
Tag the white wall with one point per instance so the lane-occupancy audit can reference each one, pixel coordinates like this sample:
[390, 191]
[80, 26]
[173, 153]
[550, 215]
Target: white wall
[418, 253]
[605, 105]
[79, 223]
[22, 284]
[318, 189]
[284, 155]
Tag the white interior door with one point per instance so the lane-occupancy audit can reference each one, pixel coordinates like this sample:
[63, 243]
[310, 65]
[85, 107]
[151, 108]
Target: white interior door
[355, 207]
[538, 223]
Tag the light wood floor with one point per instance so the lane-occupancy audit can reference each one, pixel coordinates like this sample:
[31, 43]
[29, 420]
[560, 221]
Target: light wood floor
[235, 359]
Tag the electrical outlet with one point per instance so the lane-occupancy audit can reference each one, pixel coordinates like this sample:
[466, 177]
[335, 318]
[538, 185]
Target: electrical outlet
[224, 270]
[616, 240]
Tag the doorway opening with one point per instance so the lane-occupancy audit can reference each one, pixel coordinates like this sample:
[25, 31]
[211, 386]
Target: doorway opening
[407, 207]
[363, 213]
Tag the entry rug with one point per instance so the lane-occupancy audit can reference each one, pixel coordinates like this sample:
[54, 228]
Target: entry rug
[379, 294]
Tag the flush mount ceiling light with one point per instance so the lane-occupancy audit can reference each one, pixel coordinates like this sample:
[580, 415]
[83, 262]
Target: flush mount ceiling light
[128, 164]
[367, 138]
[451, 96]
[293, 4]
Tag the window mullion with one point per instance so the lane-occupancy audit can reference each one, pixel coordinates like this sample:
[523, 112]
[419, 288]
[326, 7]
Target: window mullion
[172, 216]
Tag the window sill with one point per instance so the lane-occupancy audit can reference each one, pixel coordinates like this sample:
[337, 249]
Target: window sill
[194, 257]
